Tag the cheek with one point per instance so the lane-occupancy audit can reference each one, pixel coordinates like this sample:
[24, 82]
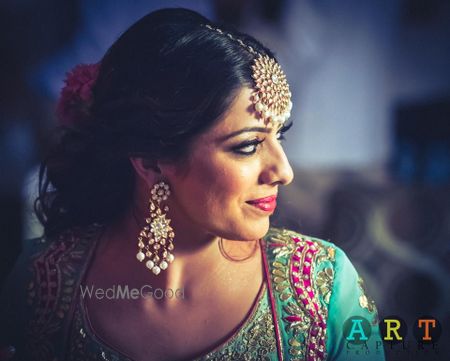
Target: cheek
[213, 195]
[218, 186]
[229, 180]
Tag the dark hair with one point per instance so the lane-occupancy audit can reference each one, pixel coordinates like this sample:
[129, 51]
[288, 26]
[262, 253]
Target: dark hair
[167, 79]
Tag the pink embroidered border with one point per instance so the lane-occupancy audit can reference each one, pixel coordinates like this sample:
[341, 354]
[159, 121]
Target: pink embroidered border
[301, 272]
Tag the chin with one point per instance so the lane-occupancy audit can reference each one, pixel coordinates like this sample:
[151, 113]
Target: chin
[255, 230]
[242, 229]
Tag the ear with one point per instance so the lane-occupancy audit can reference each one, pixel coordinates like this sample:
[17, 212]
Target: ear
[146, 170]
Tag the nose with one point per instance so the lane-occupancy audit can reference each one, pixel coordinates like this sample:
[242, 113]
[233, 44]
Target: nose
[277, 170]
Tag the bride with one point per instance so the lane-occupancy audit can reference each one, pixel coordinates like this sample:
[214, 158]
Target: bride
[163, 176]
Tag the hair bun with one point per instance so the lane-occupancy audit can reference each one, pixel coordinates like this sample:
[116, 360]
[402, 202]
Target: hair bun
[76, 96]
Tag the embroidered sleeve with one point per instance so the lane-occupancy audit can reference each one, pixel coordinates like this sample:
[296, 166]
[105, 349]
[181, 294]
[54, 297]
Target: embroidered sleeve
[352, 325]
[36, 301]
[300, 296]
[14, 308]
[316, 289]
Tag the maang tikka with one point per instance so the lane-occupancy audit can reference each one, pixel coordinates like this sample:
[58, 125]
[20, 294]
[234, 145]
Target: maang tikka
[271, 96]
[155, 240]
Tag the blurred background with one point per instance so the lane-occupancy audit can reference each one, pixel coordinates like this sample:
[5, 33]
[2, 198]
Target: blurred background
[370, 144]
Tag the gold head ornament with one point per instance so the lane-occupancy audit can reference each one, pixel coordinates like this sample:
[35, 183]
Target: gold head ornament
[271, 96]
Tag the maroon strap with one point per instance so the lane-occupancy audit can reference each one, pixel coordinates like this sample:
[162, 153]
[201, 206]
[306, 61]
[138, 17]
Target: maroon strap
[272, 302]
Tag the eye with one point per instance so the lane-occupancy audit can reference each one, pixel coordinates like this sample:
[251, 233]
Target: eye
[280, 136]
[248, 148]
[282, 131]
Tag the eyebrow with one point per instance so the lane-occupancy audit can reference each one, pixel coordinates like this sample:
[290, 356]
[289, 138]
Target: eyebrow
[246, 130]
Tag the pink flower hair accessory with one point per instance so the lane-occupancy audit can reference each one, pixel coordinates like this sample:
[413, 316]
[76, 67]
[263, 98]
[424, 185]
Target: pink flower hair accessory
[76, 96]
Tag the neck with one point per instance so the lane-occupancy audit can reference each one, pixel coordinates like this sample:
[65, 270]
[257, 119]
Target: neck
[200, 258]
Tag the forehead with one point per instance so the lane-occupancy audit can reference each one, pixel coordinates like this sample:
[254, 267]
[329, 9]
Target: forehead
[241, 114]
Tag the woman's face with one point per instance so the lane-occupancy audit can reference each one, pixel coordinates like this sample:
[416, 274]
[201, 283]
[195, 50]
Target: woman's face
[231, 166]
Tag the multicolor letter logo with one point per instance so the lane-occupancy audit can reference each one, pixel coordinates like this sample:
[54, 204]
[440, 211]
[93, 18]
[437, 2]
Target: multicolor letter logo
[393, 329]
[427, 330]
[357, 330]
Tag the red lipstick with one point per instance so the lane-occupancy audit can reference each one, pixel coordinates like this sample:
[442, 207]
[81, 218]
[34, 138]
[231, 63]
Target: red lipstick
[267, 204]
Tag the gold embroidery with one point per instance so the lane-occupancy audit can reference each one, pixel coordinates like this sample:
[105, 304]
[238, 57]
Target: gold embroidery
[327, 254]
[255, 342]
[281, 280]
[331, 252]
[364, 300]
[324, 283]
[51, 292]
[367, 302]
[305, 320]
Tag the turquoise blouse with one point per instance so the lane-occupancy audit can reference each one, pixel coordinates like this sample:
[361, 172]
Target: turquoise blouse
[310, 307]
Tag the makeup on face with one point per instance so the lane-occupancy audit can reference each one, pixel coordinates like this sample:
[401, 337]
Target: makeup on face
[235, 170]
[249, 146]
[266, 204]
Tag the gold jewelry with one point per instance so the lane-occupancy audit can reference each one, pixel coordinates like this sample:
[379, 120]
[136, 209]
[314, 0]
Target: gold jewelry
[271, 97]
[230, 258]
[158, 233]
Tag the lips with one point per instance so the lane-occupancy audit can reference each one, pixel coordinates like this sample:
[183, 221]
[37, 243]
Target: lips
[267, 204]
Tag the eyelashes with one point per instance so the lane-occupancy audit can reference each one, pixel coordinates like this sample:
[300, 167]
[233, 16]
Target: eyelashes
[250, 147]
[285, 128]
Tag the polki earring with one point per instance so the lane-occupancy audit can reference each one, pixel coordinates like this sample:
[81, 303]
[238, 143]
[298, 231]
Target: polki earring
[155, 241]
